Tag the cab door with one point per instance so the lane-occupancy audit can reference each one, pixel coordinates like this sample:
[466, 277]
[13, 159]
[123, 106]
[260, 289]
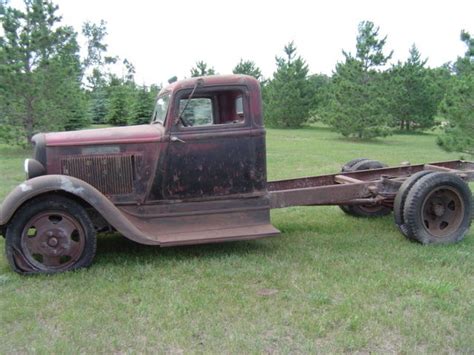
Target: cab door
[212, 151]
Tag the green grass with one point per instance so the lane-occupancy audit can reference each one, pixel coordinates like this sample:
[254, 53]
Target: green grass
[330, 283]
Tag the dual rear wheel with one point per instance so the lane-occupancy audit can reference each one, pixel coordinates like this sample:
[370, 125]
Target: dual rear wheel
[430, 207]
[433, 208]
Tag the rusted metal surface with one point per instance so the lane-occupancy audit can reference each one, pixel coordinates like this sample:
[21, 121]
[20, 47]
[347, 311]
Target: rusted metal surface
[109, 174]
[52, 240]
[183, 223]
[75, 188]
[378, 186]
[122, 172]
[443, 211]
[104, 136]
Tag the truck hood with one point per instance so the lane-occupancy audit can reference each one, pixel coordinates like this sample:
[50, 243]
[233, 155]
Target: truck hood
[128, 134]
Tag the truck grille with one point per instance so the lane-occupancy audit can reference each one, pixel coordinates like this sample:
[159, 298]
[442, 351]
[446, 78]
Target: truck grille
[112, 175]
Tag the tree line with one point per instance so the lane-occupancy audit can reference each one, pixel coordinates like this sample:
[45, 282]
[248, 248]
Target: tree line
[45, 84]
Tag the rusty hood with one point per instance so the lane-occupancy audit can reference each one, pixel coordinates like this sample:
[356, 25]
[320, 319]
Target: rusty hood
[128, 134]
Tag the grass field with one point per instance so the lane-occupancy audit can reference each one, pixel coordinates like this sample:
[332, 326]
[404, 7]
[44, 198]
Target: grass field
[330, 283]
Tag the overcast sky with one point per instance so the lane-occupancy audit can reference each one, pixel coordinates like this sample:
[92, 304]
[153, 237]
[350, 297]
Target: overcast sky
[166, 38]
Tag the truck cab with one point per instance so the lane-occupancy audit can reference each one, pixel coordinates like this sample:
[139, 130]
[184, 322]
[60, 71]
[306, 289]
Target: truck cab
[195, 174]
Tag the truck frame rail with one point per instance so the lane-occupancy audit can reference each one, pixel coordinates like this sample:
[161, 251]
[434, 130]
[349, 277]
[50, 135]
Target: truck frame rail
[364, 187]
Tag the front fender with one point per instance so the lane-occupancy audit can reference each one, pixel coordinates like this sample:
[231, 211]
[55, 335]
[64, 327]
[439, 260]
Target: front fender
[79, 188]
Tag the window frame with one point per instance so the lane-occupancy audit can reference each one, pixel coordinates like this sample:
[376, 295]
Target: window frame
[212, 93]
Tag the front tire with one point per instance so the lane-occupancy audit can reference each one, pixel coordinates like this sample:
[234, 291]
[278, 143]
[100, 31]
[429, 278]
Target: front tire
[50, 234]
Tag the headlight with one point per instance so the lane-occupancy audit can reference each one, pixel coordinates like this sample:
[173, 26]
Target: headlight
[33, 168]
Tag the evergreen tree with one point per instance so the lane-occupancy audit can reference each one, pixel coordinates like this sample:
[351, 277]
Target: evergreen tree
[202, 69]
[40, 70]
[118, 103]
[413, 93]
[97, 100]
[319, 85]
[288, 96]
[457, 106]
[248, 67]
[357, 103]
[144, 104]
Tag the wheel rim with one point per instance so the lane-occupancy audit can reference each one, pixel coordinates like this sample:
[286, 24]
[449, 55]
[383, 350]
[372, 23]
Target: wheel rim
[443, 211]
[53, 240]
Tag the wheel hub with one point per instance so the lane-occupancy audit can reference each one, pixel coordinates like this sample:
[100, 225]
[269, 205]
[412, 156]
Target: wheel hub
[438, 210]
[52, 242]
[443, 211]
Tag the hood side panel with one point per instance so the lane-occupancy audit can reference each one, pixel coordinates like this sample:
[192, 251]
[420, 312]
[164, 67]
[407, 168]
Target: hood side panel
[128, 134]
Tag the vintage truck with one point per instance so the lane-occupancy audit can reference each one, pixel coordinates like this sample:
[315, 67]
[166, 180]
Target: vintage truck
[197, 174]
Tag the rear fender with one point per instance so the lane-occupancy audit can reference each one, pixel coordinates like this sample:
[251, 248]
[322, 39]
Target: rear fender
[61, 183]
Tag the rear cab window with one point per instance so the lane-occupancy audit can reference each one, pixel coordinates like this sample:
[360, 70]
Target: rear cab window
[209, 109]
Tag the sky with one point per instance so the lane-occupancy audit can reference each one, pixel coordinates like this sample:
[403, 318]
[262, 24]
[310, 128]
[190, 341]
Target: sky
[165, 38]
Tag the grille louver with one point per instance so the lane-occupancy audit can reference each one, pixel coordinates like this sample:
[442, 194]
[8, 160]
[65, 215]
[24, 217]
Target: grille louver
[110, 174]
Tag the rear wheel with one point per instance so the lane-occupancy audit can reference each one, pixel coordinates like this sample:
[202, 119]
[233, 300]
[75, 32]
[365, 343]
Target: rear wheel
[348, 166]
[400, 199]
[438, 209]
[50, 235]
[364, 210]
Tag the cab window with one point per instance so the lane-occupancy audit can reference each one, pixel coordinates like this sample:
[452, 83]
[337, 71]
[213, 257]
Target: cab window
[212, 109]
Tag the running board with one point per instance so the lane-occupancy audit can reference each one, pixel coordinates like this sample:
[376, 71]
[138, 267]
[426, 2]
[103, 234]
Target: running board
[219, 235]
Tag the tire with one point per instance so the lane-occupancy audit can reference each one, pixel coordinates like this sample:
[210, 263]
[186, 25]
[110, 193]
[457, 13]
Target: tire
[438, 209]
[400, 199]
[347, 167]
[367, 211]
[48, 235]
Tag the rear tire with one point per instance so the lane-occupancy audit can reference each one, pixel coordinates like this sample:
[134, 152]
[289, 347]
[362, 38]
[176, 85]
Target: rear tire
[400, 199]
[438, 209]
[347, 167]
[367, 211]
[50, 234]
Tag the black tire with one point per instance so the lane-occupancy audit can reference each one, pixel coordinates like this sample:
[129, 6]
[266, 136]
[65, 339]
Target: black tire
[366, 211]
[48, 235]
[438, 209]
[347, 166]
[400, 199]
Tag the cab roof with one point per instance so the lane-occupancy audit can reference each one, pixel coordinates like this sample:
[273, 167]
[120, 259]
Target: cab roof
[212, 80]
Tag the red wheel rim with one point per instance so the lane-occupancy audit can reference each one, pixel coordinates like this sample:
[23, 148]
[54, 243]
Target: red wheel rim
[53, 240]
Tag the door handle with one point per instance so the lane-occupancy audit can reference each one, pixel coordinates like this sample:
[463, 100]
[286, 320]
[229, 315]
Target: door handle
[176, 139]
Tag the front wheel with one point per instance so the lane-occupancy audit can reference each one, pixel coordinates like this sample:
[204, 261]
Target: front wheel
[49, 235]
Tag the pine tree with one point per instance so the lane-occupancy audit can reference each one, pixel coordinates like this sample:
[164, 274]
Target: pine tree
[119, 103]
[288, 96]
[40, 70]
[248, 67]
[357, 104]
[457, 106]
[413, 93]
[202, 69]
[144, 104]
[98, 104]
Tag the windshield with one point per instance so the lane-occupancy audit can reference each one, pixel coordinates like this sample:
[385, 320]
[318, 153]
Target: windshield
[161, 108]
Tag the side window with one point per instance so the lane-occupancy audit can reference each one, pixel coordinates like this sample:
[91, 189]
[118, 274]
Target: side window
[197, 112]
